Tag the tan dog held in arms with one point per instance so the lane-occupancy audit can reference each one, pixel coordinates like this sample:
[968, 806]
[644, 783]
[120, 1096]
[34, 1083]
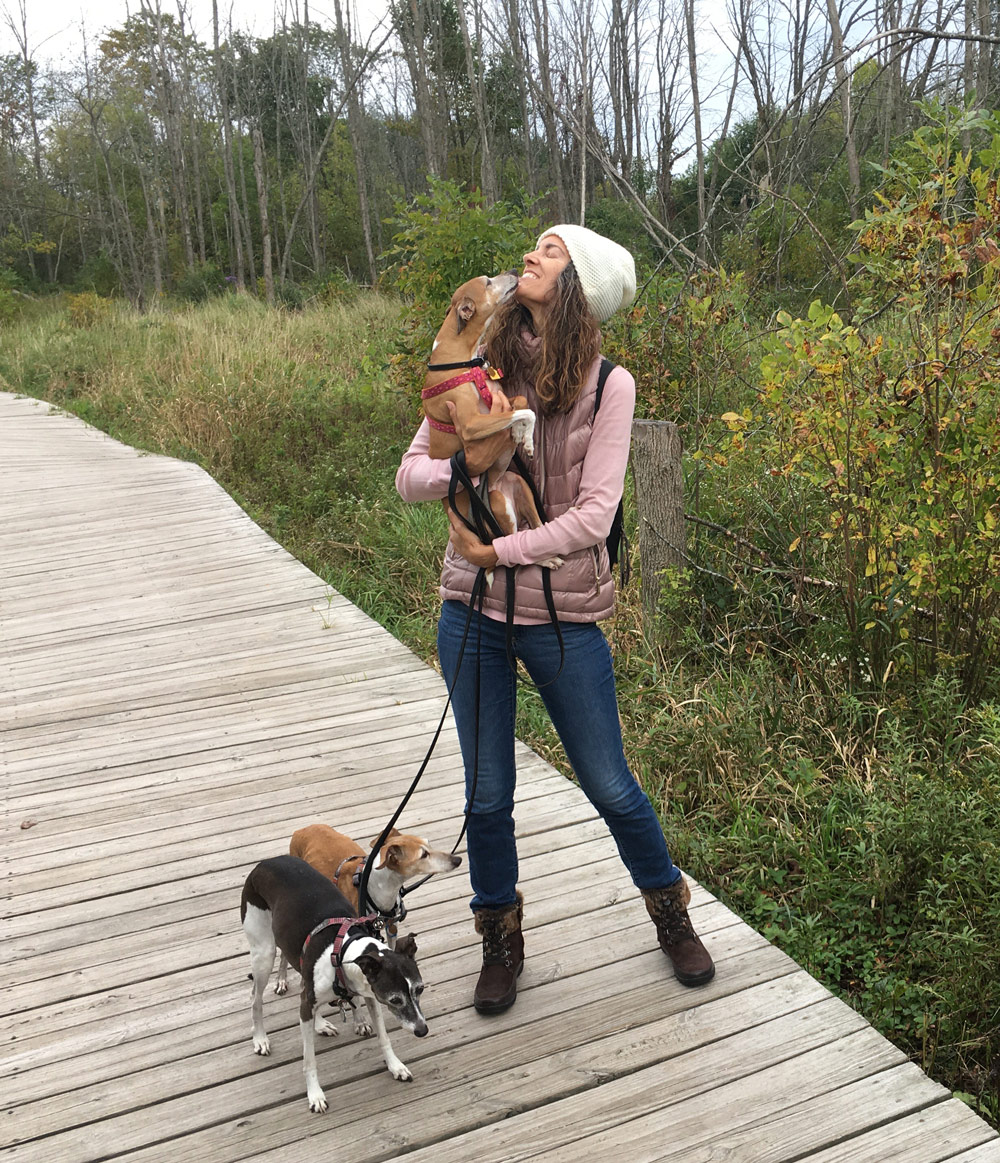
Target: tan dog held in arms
[472, 308]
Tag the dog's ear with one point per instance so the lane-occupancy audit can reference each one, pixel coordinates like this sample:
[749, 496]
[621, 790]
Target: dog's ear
[392, 854]
[369, 964]
[407, 946]
[392, 832]
[464, 312]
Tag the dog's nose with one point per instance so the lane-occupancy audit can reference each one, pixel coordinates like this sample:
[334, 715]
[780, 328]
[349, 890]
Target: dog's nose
[420, 1030]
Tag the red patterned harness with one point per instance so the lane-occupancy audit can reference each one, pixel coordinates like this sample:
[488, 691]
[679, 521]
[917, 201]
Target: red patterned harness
[341, 988]
[474, 375]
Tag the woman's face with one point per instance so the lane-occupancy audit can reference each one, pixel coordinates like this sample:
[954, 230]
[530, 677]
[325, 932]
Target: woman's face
[542, 268]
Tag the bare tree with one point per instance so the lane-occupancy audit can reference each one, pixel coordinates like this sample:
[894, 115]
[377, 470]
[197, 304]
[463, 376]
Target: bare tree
[487, 174]
[235, 212]
[844, 88]
[354, 127]
[19, 28]
[699, 144]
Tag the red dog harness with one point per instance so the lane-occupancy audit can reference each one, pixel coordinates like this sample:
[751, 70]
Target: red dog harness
[345, 924]
[474, 375]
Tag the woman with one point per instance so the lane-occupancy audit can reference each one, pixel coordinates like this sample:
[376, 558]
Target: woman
[547, 342]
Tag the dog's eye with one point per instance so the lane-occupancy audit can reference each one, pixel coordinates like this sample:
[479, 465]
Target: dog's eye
[418, 990]
[395, 1000]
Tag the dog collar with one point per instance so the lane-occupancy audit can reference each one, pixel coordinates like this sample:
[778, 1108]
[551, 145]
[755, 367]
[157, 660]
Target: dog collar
[347, 860]
[477, 361]
[475, 375]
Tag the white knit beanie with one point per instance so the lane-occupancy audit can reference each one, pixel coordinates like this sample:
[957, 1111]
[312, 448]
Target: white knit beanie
[606, 270]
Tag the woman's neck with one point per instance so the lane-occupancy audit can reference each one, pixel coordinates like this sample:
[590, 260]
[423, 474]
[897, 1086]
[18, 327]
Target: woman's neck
[539, 316]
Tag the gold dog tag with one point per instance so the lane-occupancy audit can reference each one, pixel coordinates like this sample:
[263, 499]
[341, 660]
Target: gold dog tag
[494, 373]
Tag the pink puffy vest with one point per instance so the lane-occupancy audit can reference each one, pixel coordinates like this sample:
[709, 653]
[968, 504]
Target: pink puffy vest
[582, 589]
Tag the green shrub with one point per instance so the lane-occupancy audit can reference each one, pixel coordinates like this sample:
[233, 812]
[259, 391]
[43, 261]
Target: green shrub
[200, 282]
[11, 301]
[443, 239]
[870, 458]
[88, 309]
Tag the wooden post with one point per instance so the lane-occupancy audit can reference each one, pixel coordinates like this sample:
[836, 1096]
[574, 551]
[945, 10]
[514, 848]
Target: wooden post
[659, 494]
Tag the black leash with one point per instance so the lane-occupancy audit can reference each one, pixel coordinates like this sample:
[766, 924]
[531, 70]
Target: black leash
[485, 527]
[478, 592]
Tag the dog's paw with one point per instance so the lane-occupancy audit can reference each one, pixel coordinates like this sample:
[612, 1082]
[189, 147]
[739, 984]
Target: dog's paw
[400, 1072]
[281, 987]
[552, 563]
[325, 1027]
[522, 428]
[317, 1101]
[261, 1045]
[363, 1028]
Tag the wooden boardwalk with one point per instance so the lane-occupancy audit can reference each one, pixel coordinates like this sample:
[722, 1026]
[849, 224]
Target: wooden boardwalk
[177, 695]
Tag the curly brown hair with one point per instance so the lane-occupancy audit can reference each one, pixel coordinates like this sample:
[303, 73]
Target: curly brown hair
[571, 341]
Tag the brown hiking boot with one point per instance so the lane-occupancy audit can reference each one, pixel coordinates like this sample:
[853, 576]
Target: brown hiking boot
[503, 957]
[668, 907]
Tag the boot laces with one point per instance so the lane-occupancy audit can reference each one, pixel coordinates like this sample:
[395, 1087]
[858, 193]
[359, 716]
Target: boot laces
[496, 947]
[672, 921]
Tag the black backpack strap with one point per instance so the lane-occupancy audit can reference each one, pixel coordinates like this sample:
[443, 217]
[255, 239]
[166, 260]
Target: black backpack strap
[617, 543]
[607, 367]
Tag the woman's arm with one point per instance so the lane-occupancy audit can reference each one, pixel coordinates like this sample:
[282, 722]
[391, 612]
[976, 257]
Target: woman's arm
[601, 484]
[419, 478]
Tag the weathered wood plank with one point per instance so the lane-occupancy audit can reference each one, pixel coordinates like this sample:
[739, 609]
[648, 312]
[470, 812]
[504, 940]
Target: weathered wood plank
[931, 1135]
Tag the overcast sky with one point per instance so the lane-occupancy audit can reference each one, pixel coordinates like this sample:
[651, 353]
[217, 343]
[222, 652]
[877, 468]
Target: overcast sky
[56, 27]
[57, 30]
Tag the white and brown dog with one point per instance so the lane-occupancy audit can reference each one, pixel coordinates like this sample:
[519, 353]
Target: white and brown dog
[456, 374]
[401, 858]
[289, 905]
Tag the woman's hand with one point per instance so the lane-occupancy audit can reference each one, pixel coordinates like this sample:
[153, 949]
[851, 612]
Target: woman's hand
[468, 545]
[480, 454]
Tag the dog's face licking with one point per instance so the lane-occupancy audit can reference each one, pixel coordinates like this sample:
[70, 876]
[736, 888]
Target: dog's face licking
[395, 981]
[477, 300]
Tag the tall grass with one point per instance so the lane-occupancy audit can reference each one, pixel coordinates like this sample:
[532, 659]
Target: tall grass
[861, 836]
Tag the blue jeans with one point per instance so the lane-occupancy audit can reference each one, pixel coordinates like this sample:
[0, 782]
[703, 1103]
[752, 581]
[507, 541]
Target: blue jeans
[584, 711]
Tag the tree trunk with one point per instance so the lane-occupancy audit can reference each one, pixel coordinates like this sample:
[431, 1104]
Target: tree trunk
[487, 173]
[227, 158]
[699, 144]
[984, 94]
[541, 27]
[260, 177]
[354, 129]
[584, 105]
[21, 36]
[172, 132]
[419, 73]
[659, 488]
[844, 85]
[315, 237]
[517, 51]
